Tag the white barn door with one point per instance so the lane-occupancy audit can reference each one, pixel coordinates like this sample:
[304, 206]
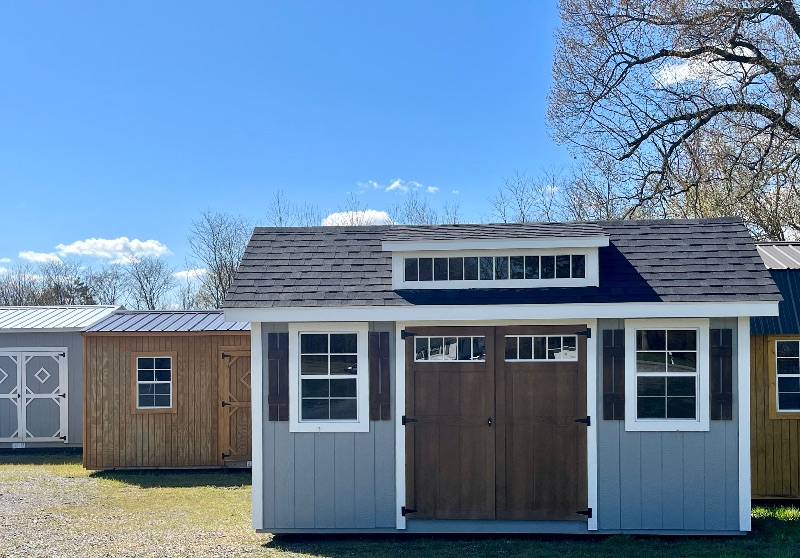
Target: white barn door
[33, 396]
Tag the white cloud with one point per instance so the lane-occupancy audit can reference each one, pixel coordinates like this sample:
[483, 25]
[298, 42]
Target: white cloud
[717, 72]
[357, 218]
[398, 185]
[118, 250]
[456, 192]
[38, 257]
[5, 260]
[190, 274]
[3, 270]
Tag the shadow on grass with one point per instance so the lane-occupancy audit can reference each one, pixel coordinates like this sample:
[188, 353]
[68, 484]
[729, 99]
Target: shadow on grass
[41, 456]
[179, 478]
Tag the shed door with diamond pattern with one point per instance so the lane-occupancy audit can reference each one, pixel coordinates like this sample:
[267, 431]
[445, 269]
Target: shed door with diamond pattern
[235, 407]
[33, 395]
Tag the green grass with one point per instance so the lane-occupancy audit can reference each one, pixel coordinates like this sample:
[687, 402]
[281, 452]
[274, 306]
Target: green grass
[186, 513]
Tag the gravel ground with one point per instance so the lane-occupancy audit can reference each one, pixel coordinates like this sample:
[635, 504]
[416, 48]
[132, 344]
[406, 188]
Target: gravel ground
[51, 511]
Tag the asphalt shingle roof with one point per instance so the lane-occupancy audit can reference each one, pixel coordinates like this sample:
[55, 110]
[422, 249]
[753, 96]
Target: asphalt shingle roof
[646, 261]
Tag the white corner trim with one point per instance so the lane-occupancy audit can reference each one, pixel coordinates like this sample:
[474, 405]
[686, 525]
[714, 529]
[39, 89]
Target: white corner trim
[257, 398]
[702, 423]
[400, 430]
[478, 312]
[362, 377]
[494, 243]
[743, 404]
[592, 410]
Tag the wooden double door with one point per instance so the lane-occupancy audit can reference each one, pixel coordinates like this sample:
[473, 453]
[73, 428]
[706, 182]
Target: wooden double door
[491, 429]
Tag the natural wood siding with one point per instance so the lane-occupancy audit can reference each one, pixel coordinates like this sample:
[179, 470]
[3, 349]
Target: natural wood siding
[116, 437]
[774, 443]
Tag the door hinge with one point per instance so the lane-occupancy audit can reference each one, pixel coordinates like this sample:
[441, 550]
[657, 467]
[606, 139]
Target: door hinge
[405, 334]
[586, 512]
[62, 438]
[406, 420]
[404, 511]
[62, 355]
[62, 394]
[225, 404]
[587, 421]
[226, 355]
[586, 332]
[225, 455]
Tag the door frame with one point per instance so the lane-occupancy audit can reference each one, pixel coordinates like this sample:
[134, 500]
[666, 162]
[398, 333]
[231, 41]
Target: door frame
[63, 389]
[591, 403]
[223, 426]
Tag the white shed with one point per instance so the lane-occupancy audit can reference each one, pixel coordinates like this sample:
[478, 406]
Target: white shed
[41, 374]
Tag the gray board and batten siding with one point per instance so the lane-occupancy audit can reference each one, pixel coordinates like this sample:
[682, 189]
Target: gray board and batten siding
[318, 481]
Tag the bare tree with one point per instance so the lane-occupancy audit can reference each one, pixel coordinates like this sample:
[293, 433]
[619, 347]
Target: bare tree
[106, 284]
[20, 286]
[525, 199]
[644, 81]
[217, 242]
[63, 283]
[149, 280]
[283, 213]
[414, 210]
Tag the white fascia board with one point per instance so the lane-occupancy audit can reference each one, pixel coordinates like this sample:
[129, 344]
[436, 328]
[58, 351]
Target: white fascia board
[504, 312]
[493, 244]
[43, 330]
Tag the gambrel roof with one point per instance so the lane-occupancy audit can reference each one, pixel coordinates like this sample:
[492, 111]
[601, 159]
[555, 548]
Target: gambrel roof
[709, 260]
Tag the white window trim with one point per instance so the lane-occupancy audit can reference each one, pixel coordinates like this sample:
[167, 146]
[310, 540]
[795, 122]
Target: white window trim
[360, 425]
[701, 424]
[157, 382]
[592, 278]
[778, 376]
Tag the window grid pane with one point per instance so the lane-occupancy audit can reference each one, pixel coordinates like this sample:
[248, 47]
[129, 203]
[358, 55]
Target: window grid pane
[328, 384]
[541, 348]
[154, 382]
[451, 349]
[497, 268]
[666, 374]
[787, 368]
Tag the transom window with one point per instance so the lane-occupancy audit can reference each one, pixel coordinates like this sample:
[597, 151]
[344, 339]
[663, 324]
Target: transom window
[154, 382]
[666, 374]
[541, 347]
[328, 376]
[456, 349]
[495, 268]
[787, 354]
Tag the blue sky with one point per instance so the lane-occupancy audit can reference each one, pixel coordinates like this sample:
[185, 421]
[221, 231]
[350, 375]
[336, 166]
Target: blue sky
[126, 119]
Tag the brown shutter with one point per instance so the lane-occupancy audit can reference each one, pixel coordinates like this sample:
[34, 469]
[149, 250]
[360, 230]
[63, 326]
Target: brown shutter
[721, 374]
[278, 355]
[614, 374]
[379, 382]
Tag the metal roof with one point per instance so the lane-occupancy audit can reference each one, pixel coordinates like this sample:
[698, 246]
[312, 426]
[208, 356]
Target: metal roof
[63, 318]
[787, 322]
[780, 255]
[167, 321]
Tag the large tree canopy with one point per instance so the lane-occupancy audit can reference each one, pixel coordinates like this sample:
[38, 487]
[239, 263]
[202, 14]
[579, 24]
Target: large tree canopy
[695, 99]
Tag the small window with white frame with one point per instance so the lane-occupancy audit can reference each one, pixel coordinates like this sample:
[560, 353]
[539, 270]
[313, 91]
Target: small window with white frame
[154, 382]
[328, 378]
[666, 375]
[787, 370]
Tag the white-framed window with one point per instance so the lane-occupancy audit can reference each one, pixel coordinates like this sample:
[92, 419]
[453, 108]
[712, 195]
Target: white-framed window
[666, 375]
[541, 348]
[449, 348]
[153, 378]
[787, 370]
[488, 269]
[328, 377]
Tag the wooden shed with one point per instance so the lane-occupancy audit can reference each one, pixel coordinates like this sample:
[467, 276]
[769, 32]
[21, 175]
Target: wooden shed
[775, 378]
[41, 378]
[167, 389]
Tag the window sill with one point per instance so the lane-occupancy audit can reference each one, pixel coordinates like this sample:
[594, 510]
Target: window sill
[170, 411]
[666, 426]
[332, 427]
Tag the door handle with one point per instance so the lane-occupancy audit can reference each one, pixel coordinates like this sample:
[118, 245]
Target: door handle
[489, 422]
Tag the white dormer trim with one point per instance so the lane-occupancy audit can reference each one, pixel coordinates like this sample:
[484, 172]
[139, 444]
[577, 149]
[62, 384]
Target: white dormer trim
[494, 244]
[592, 278]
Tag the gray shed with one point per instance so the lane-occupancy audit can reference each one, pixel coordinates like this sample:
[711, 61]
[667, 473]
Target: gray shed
[41, 374]
[535, 378]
